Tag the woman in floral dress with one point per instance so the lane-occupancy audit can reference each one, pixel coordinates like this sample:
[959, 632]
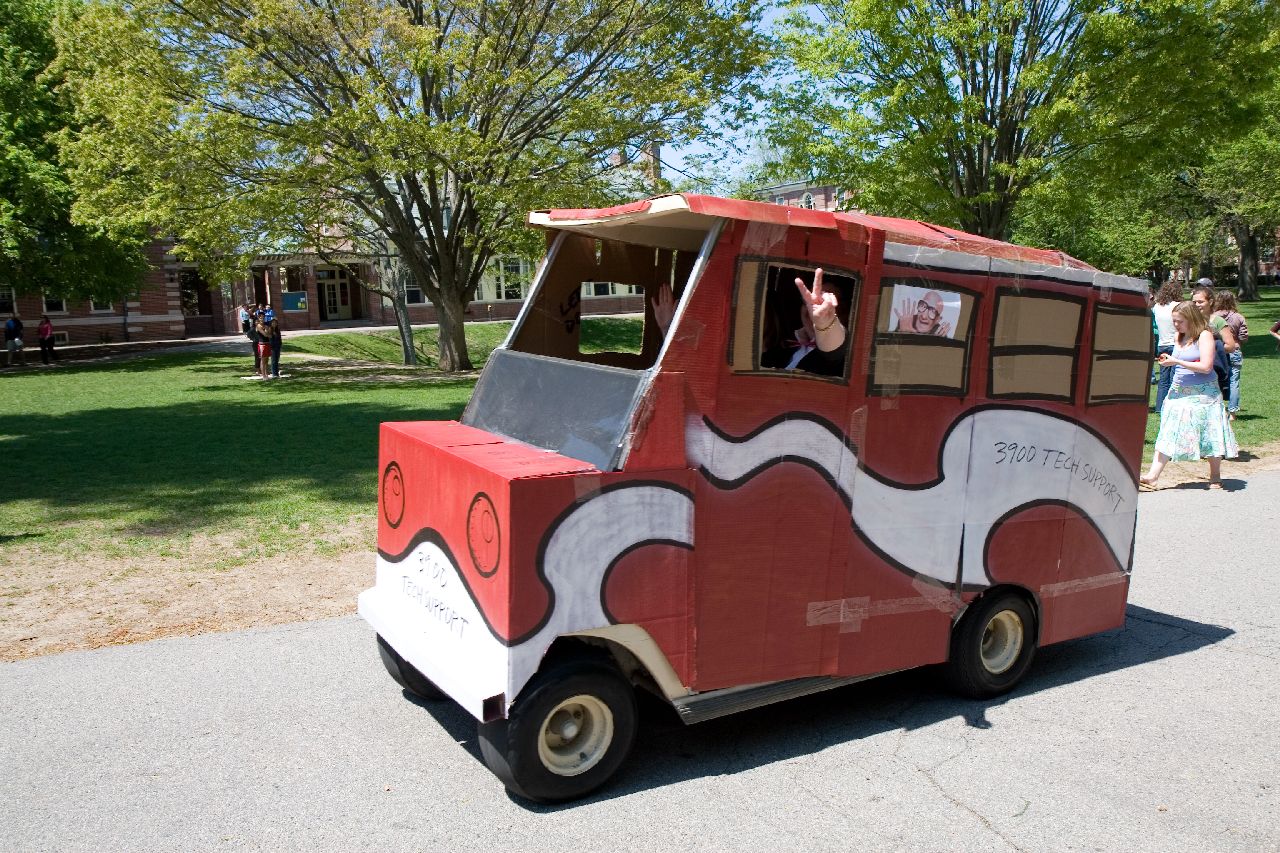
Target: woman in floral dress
[1193, 422]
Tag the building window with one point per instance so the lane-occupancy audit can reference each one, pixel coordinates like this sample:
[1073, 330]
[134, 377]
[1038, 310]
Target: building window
[1033, 348]
[55, 305]
[780, 199]
[512, 276]
[291, 280]
[1121, 355]
[99, 306]
[293, 289]
[922, 338]
[413, 295]
[806, 201]
[194, 293]
[8, 300]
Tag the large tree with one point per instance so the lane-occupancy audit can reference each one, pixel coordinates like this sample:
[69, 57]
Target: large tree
[424, 128]
[41, 249]
[1241, 180]
[952, 109]
[1196, 206]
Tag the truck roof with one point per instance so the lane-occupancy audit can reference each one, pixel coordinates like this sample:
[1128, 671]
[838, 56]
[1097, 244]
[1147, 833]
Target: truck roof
[682, 221]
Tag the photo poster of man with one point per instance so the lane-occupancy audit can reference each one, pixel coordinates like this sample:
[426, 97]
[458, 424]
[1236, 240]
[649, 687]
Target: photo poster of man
[924, 311]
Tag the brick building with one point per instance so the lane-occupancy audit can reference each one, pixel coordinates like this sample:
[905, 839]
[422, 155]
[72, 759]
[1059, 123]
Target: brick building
[800, 194]
[173, 301]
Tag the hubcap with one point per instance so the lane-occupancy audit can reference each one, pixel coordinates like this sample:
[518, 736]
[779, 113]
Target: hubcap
[575, 735]
[1002, 642]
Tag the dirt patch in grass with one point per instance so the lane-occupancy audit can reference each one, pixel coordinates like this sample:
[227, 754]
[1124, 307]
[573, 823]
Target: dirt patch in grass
[53, 604]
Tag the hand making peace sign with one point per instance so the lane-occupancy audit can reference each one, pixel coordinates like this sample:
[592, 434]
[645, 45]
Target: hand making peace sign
[822, 306]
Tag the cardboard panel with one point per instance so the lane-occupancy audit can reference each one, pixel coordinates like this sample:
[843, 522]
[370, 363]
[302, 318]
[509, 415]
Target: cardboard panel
[1122, 332]
[1036, 321]
[744, 315]
[1032, 375]
[902, 364]
[552, 323]
[1119, 377]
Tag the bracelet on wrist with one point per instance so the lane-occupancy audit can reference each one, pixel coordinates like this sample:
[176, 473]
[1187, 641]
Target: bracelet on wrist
[826, 327]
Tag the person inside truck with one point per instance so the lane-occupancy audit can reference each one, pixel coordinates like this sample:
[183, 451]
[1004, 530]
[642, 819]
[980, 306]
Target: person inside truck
[817, 346]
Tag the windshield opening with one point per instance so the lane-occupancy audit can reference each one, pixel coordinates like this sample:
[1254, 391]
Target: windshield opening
[582, 271]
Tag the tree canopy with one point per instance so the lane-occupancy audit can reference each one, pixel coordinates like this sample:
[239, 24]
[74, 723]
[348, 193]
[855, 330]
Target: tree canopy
[420, 128]
[41, 249]
[951, 110]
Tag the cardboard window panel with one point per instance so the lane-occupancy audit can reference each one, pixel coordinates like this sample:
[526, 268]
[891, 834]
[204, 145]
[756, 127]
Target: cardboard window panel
[1032, 376]
[746, 296]
[1116, 379]
[1121, 356]
[1128, 332]
[1037, 321]
[905, 365]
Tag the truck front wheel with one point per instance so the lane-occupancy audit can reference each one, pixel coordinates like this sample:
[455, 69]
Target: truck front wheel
[992, 647]
[569, 731]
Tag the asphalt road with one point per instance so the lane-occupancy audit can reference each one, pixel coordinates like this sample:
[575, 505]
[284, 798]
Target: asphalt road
[1158, 737]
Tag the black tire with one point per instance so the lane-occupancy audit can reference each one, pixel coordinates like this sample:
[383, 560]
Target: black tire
[992, 647]
[595, 709]
[406, 674]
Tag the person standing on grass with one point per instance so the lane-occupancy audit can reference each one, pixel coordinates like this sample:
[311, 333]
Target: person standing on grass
[273, 325]
[1169, 295]
[251, 332]
[13, 339]
[44, 332]
[262, 331]
[1224, 306]
[1193, 424]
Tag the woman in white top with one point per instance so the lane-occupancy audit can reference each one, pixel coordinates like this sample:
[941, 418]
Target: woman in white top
[1169, 295]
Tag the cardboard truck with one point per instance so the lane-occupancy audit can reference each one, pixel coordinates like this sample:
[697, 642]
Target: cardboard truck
[698, 520]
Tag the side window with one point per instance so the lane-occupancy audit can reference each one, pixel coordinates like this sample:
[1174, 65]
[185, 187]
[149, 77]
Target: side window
[771, 335]
[923, 333]
[1033, 349]
[1121, 355]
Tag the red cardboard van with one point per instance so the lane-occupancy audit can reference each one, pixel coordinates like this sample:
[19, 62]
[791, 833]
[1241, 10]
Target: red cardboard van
[698, 520]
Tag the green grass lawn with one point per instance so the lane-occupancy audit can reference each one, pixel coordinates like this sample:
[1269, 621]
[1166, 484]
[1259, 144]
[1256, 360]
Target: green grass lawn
[158, 454]
[162, 454]
[599, 334]
[141, 456]
[1258, 422]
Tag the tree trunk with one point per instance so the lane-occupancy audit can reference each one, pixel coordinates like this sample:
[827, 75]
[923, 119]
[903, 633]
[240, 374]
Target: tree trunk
[453, 336]
[401, 311]
[1159, 272]
[1248, 269]
[1206, 261]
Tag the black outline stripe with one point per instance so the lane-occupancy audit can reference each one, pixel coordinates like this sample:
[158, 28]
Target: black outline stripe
[608, 572]
[541, 558]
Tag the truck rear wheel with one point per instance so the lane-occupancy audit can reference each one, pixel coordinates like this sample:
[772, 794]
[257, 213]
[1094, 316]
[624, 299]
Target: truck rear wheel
[992, 647]
[566, 735]
[406, 674]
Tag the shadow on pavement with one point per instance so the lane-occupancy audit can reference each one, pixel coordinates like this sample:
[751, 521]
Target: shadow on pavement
[667, 752]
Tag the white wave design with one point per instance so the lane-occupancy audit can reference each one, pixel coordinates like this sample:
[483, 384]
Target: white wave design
[994, 462]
